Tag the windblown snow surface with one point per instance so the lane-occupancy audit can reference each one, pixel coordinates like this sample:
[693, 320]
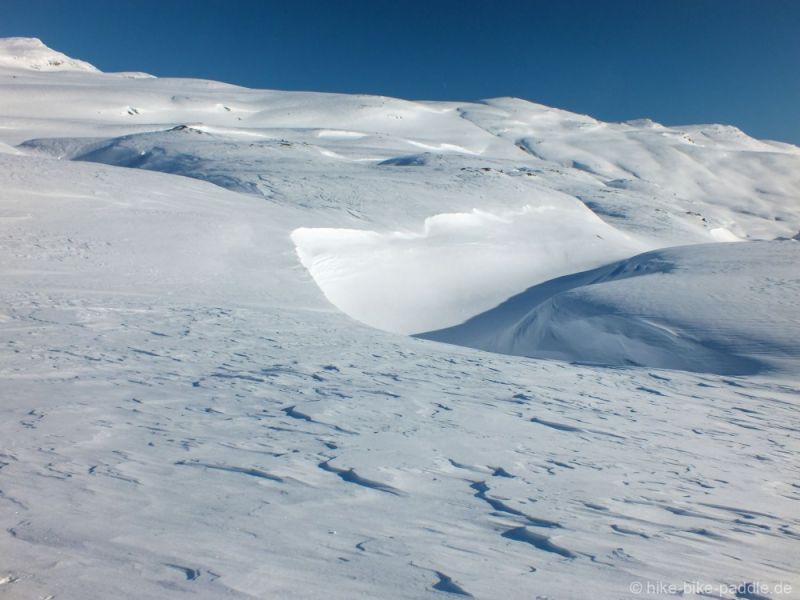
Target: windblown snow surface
[207, 388]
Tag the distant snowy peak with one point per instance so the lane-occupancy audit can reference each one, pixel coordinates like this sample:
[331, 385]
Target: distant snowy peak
[32, 54]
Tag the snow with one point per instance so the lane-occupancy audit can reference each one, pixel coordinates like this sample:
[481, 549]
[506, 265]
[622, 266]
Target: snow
[458, 265]
[31, 53]
[725, 308]
[192, 402]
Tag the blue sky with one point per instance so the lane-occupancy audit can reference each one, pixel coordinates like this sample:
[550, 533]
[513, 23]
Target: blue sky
[676, 61]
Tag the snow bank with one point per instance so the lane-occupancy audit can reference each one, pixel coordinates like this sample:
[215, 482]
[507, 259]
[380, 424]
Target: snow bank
[457, 265]
[726, 308]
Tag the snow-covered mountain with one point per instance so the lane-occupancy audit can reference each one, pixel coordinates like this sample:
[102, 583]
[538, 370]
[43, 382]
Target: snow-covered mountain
[207, 389]
[31, 53]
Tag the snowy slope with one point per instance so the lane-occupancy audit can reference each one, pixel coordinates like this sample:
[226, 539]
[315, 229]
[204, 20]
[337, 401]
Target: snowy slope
[375, 211]
[185, 408]
[726, 308]
[31, 53]
[172, 426]
[375, 173]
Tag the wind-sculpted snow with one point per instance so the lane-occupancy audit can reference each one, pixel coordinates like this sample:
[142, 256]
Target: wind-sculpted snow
[184, 412]
[458, 265]
[725, 308]
[153, 446]
[416, 242]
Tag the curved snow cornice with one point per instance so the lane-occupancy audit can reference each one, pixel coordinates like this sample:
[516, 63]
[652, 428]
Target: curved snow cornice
[33, 54]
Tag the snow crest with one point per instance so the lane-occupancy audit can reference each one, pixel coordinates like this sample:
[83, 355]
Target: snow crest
[32, 54]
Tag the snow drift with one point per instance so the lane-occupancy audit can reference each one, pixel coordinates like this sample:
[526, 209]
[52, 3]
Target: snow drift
[458, 265]
[726, 308]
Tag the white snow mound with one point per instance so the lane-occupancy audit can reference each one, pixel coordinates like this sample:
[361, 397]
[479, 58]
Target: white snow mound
[721, 308]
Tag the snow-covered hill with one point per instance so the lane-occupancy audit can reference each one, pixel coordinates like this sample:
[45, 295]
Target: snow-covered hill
[31, 53]
[191, 406]
[388, 185]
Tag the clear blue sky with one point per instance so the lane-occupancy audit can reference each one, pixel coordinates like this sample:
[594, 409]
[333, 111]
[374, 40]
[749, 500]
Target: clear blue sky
[676, 61]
